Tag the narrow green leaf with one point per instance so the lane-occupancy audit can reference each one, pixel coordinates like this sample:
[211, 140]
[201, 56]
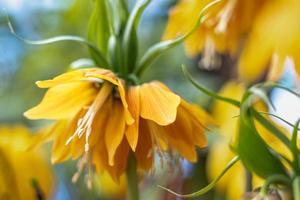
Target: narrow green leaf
[259, 92]
[277, 117]
[208, 187]
[275, 85]
[97, 55]
[294, 148]
[272, 128]
[207, 91]
[158, 49]
[130, 40]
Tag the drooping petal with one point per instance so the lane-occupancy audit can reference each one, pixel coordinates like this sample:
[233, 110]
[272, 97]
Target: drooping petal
[179, 136]
[115, 130]
[46, 134]
[184, 147]
[157, 104]
[132, 131]
[60, 151]
[100, 159]
[63, 101]
[99, 123]
[128, 117]
[198, 120]
[158, 134]
[144, 149]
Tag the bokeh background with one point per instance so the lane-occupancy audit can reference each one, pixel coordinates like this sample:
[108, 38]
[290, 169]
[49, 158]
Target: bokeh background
[21, 65]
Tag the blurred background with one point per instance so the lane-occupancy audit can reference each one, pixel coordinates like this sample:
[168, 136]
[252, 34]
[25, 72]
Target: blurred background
[21, 65]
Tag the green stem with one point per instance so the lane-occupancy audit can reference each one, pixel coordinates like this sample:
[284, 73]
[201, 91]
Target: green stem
[209, 186]
[296, 188]
[132, 179]
[271, 180]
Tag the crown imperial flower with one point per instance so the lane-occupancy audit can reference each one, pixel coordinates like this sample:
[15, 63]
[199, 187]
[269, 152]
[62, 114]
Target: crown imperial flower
[101, 119]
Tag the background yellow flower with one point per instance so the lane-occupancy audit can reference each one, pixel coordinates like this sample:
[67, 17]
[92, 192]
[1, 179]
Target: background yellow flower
[275, 36]
[23, 174]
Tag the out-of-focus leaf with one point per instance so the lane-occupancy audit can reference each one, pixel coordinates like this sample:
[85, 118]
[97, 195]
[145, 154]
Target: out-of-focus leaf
[99, 27]
[251, 148]
[294, 147]
[130, 41]
[115, 53]
[207, 91]
[259, 92]
[96, 54]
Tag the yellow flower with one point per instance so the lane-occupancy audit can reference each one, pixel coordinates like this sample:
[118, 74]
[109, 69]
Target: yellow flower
[223, 31]
[274, 38]
[233, 184]
[101, 120]
[265, 32]
[24, 175]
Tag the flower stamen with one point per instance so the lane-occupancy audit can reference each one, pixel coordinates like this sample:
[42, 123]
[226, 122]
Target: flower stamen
[84, 125]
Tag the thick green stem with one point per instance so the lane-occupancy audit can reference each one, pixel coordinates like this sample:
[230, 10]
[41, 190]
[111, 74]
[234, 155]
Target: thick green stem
[132, 179]
[296, 188]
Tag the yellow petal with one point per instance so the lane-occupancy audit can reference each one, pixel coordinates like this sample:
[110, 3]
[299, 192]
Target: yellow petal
[157, 104]
[158, 134]
[46, 134]
[132, 131]
[128, 117]
[194, 123]
[69, 77]
[100, 159]
[115, 130]
[143, 153]
[61, 151]
[63, 101]
[178, 136]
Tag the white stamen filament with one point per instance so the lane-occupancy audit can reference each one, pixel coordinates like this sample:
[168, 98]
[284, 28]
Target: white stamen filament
[225, 16]
[84, 125]
[209, 60]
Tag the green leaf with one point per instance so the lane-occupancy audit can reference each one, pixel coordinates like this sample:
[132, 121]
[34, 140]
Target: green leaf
[130, 40]
[158, 49]
[207, 91]
[99, 58]
[251, 148]
[277, 117]
[208, 187]
[259, 92]
[294, 148]
[99, 27]
[272, 128]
